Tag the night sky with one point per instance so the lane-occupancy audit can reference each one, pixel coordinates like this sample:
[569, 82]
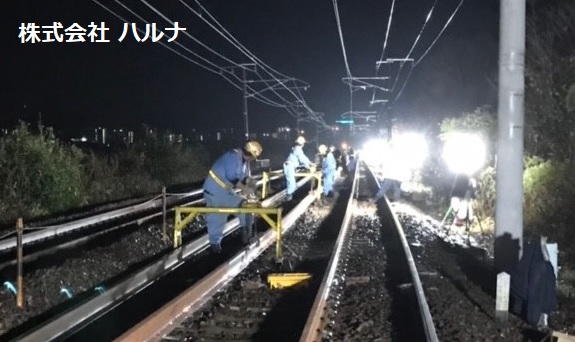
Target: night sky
[123, 84]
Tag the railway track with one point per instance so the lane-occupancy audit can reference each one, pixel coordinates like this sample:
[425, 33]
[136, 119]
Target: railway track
[364, 286]
[112, 291]
[53, 239]
[232, 301]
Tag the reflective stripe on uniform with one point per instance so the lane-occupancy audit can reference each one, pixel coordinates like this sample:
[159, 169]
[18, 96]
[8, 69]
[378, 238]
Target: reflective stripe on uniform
[220, 182]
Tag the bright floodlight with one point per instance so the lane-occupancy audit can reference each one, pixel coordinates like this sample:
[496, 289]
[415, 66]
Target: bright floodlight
[410, 149]
[375, 151]
[464, 153]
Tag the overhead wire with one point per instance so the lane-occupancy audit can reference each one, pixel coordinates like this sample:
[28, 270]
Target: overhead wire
[440, 33]
[214, 67]
[336, 11]
[199, 42]
[215, 71]
[429, 48]
[228, 36]
[388, 29]
[413, 47]
[347, 69]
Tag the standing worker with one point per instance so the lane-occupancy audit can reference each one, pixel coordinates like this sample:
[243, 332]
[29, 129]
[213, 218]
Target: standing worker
[230, 172]
[328, 168]
[296, 158]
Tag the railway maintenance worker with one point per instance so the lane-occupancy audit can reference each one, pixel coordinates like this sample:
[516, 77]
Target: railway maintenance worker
[329, 169]
[296, 158]
[228, 173]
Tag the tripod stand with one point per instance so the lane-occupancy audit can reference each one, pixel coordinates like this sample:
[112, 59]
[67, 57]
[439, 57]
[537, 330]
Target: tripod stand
[463, 209]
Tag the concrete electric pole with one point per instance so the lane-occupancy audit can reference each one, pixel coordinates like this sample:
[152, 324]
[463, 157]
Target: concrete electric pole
[509, 203]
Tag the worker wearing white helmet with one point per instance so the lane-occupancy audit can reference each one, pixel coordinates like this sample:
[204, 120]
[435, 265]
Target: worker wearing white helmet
[295, 159]
[328, 169]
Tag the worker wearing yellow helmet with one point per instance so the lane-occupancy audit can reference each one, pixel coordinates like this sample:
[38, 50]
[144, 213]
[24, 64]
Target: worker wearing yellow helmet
[228, 173]
[295, 159]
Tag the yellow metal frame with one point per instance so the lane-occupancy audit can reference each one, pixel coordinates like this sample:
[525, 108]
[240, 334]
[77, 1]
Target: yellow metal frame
[185, 215]
[316, 176]
[265, 182]
[283, 280]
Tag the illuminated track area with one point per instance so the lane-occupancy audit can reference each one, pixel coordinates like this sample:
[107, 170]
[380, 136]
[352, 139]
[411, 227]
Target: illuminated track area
[361, 285]
[338, 254]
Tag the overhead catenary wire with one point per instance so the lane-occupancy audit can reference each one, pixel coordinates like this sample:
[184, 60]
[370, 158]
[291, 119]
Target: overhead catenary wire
[387, 30]
[213, 68]
[429, 14]
[228, 36]
[429, 48]
[440, 33]
[347, 69]
[203, 66]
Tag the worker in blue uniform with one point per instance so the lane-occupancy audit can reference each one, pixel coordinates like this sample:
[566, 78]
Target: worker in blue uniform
[229, 173]
[296, 158]
[328, 169]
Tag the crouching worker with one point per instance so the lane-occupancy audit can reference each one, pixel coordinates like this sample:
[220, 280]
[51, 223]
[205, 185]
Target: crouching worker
[229, 172]
[463, 193]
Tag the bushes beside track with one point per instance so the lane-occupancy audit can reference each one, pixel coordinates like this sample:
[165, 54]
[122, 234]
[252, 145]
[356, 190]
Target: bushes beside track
[549, 189]
[40, 175]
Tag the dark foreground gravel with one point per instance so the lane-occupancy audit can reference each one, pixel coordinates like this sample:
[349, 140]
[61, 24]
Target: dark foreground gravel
[459, 283]
[248, 310]
[54, 283]
[360, 300]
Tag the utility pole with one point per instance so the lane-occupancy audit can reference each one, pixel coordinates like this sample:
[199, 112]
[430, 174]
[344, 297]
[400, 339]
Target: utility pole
[509, 203]
[248, 90]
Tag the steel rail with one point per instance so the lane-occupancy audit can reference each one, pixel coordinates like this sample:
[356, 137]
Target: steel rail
[160, 322]
[136, 282]
[317, 317]
[29, 257]
[54, 230]
[427, 319]
[50, 231]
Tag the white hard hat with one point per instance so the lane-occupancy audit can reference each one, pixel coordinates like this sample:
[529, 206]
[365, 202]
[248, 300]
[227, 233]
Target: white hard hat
[322, 149]
[300, 140]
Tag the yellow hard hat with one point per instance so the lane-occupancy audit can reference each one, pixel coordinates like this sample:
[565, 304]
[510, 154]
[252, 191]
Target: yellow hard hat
[322, 149]
[253, 148]
[300, 140]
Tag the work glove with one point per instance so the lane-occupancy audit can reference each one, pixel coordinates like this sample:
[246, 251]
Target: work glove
[248, 187]
[251, 184]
